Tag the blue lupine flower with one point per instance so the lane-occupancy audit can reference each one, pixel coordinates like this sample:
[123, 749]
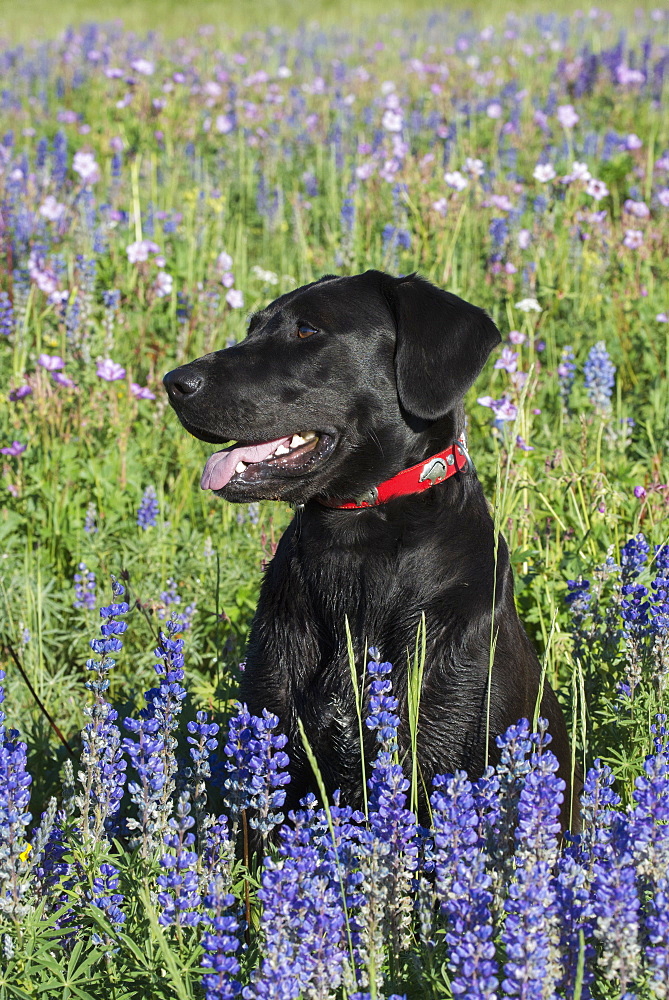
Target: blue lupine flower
[531, 968]
[463, 887]
[650, 845]
[403, 237]
[388, 238]
[634, 610]
[6, 315]
[256, 768]
[633, 557]
[202, 743]
[303, 916]
[84, 588]
[147, 755]
[103, 773]
[180, 895]
[105, 894]
[169, 597]
[578, 599]
[59, 159]
[90, 527]
[220, 943]
[659, 606]
[615, 901]
[51, 871]
[514, 746]
[111, 299]
[572, 886]
[347, 215]
[217, 852]
[153, 754]
[73, 321]
[15, 784]
[388, 848]
[499, 231]
[599, 372]
[598, 800]
[613, 909]
[252, 513]
[566, 372]
[147, 514]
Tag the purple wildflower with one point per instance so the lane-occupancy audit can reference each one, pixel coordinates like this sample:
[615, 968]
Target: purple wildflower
[14, 449]
[141, 391]
[508, 361]
[60, 378]
[503, 408]
[85, 165]
[633, 239]
[20, 393]
[52, 362]
[110, 370]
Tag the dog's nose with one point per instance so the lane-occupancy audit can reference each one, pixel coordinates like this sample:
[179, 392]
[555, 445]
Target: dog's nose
[181, 382]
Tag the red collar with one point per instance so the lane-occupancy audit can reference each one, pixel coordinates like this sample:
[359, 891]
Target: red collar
[436, 469]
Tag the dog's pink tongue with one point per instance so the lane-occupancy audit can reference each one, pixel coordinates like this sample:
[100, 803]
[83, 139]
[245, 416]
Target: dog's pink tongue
[221, 466]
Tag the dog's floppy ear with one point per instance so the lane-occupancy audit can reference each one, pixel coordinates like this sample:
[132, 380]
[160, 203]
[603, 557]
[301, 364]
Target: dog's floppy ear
[443, 343]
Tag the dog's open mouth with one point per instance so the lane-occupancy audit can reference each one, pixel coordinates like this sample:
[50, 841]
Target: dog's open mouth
[255, 461]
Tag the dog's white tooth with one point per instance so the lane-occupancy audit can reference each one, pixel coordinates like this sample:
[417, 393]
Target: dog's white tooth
[282, 450]
[308, 435]
[240, 466]
[296, 441]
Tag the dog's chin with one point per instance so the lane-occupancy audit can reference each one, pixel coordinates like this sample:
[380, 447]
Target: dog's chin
[291, 479]
[211, 437]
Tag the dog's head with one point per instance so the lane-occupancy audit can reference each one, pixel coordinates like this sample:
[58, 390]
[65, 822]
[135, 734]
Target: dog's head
[338, 385]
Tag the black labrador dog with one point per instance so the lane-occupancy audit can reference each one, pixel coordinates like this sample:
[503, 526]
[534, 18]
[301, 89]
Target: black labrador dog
[340, 386]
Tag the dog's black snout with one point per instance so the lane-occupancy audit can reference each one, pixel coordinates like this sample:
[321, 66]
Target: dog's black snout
[181, 382]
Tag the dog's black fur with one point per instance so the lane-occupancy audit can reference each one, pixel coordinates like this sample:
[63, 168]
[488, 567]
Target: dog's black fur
[382, 380]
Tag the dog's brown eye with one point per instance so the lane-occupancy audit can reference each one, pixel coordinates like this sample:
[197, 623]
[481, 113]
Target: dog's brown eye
[305, 330]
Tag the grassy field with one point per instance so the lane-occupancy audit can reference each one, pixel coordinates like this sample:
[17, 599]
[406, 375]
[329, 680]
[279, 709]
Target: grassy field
[156, 189]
